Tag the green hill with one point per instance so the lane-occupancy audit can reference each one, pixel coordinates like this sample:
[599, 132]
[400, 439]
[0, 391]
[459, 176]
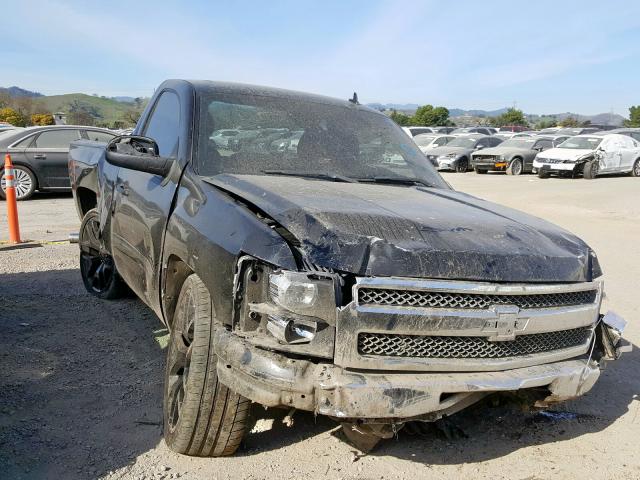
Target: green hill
[103, 110]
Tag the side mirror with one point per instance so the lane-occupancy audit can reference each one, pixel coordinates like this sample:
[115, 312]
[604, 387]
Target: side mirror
[137, 153]
[479, 147]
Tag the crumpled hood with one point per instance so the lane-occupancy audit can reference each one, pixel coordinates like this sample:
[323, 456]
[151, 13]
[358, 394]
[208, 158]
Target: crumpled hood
[390, 230]
[565, 153]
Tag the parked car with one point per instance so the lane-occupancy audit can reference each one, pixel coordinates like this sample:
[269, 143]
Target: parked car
[577, 131]
[480, 130]
[513, 128]
[443, 130]
[507, 135]
[325, 280]
[514, 155]
[590, 155]
[222, 137]
[456, 155]
[413, 131]
[549, 131]
[39, 155]
[630, 132]
[428, 141]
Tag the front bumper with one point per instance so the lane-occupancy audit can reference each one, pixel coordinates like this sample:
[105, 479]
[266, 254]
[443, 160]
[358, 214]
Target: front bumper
[489, 165]
[275, 380]
[558, 167]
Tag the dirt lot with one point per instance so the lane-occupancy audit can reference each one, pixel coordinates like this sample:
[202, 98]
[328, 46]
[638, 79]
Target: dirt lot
[80, 379]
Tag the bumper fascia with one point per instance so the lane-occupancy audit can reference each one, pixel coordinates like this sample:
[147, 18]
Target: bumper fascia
[272, 380]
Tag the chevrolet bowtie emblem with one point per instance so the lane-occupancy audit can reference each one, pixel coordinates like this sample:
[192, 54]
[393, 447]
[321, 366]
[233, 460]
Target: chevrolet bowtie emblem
[505, 325]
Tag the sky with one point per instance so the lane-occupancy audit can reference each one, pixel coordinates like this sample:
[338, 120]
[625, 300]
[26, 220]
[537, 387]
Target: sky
[541, 56]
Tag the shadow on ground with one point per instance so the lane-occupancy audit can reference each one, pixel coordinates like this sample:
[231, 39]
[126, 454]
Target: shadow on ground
[81, 392]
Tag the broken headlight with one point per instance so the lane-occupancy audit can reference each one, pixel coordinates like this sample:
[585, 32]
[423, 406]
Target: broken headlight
[303, 293]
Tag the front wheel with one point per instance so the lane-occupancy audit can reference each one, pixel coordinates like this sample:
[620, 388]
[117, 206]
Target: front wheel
[202, 417]
[590, 169]
[515, 167]
[99, 273]
[24, 180]
[543, 174]
[636, 169]
[481, 171]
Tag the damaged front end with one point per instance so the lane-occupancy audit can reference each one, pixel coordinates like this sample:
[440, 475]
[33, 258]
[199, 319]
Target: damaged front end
[383, 350]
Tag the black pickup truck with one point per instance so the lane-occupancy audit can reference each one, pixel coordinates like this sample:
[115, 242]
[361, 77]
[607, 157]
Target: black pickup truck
[332, 271]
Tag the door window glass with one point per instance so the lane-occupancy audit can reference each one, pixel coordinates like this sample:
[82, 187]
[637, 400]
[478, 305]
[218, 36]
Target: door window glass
[164, 124]
[99, 136]
[56, 138]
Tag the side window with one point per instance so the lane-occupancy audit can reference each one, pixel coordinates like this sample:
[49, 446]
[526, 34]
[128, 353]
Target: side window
[26, 142]
[99, 136]
[636, 135]
[164, 124]
[493, 141]
[543, 144]
[56, 138]
[441, 141]
[482, 143]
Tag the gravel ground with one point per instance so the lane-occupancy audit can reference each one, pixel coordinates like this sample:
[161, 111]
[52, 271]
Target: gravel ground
[80, 379]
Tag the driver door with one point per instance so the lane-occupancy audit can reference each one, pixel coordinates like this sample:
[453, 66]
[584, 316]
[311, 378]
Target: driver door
[142, 203]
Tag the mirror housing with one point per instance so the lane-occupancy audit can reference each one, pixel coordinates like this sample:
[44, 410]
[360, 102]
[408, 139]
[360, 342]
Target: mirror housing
[137, 153]
[479, 147]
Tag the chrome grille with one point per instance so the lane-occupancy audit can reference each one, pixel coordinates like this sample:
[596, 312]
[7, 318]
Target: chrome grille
[391, 345]
[431, 299]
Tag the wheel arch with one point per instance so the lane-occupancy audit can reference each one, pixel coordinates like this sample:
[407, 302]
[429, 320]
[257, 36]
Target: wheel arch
[176, 272]
[87, 200]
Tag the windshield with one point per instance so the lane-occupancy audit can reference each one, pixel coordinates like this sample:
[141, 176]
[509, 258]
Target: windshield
[466, 142]
[586, 143]
[280, 136]
[519, 142]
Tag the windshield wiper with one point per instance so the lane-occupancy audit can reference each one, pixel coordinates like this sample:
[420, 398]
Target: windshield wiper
[322, 176]
[397, 181]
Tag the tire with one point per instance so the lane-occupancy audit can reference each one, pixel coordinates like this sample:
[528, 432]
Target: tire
[481, 171]
[515, 167]
[590, 170]
[543, 174]
[462, 166]
[25, 181]
[99, 273]
[202, 417]
[636, 169]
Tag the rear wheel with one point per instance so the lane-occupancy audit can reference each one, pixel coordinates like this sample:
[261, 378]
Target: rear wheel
[25, 183]
[99, 273]
[515, 167]
[590, 169]
[202, 417]
[636, 169]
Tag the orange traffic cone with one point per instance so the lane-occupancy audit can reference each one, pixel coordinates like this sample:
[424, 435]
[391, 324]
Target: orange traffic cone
[12, 204]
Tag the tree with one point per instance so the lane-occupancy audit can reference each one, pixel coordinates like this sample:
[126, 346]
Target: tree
[400, 118]
[428, 115]
[13, 117]
[569, 122]
[546, 123]
[634, 117]
[512, 116]
[42, 119]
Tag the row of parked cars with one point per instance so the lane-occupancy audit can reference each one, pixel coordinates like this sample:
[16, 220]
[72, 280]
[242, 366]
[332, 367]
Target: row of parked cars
[40, 153]
[563, 152]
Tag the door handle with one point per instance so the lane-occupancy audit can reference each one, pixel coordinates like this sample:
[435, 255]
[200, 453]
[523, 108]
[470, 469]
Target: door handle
[40, 156]
[123, 189]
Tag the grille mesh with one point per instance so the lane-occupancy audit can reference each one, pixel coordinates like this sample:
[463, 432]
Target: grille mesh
[413, 298]
[391, 345]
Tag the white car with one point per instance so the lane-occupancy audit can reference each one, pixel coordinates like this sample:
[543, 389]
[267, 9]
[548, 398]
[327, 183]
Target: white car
[591, 154]
[413, 131]
[427, 141]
